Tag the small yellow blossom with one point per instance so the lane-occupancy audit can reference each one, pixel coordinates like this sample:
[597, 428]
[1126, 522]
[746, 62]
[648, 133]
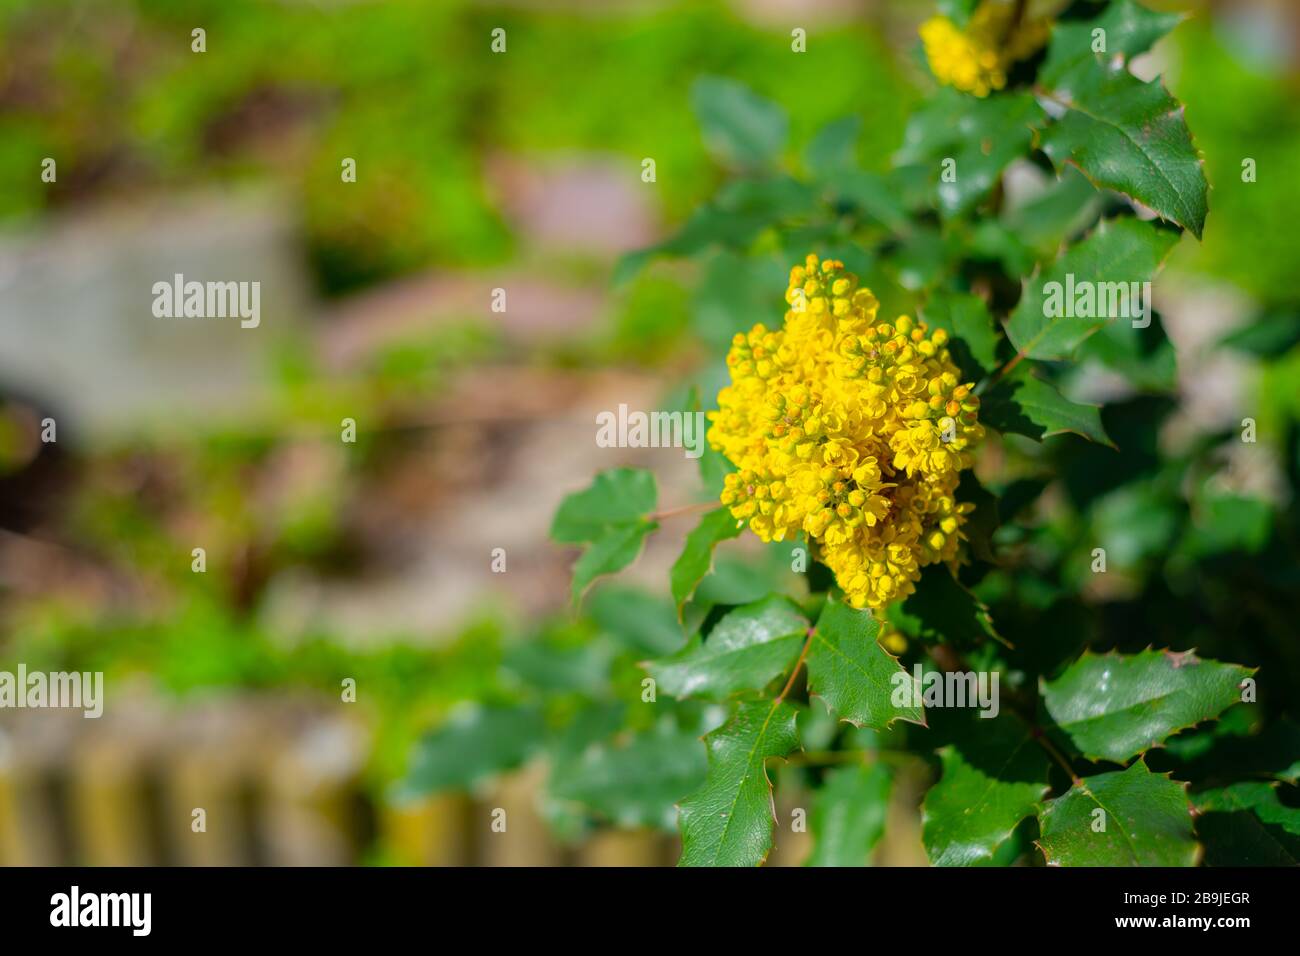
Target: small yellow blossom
[976, 59]
[851, 430]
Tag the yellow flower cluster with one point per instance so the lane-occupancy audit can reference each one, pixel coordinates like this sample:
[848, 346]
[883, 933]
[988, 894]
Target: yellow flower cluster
[851, 430]
[976, 60]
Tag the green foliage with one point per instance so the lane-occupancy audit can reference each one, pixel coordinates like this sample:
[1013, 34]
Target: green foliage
[728, 821]
[1113, 707]
[856, 676]
[612, 518]
[848, 815]
[1094, 749]
[1127, 818]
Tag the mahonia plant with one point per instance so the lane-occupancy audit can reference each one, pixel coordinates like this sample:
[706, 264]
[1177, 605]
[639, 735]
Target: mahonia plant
[932, 511]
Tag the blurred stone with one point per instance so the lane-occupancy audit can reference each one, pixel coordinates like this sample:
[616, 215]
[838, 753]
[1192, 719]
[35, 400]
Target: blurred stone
[592, 204]
[77, 329]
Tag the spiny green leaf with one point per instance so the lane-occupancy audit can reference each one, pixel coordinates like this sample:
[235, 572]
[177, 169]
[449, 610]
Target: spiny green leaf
[746, 650]
[612, 516]
[1113, 706]
[472, 745]
[728, 821]
[614, 550]
[994, 774]
[740, 127]
[1128, 29]
[1131, 137]
[620, 496]
[1117, 253]
[1122, 133]
[697, 556]
[637, 782]
[859, 678]
[1024, 404]
[848, 815]
[1131, 817]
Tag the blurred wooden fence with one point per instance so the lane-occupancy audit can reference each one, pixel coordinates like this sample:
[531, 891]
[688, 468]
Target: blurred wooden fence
[280, 782]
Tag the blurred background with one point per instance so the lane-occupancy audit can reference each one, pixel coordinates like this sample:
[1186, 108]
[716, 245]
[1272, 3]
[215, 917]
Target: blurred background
[372, 561]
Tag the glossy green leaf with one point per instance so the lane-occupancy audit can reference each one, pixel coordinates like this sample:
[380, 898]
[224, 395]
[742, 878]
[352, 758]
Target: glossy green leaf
[728, 821]
[1124, 134]
[1024, 404]
[1113, 706]
[614, 550]
[863, 683]
[740, 127]
[1047, 325]
[848, 815]
[746, 650]
[1131, 817]
[612, 517]
[696, 558]
[994, 774]
[620, 496]
[1129, 29]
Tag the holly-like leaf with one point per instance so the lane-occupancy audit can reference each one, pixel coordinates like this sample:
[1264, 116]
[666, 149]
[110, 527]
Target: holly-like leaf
[612, 551]
[620, 496]
[863, 683]
[1113, 706]
[848, 815]
[1124, 134]
[612, 517]
[637, 782]
[1128, 29]
[740, 127]
[728, 821]
[1130, 817]
[1057, 310]
[994, 774]
[746, 650]
[1024, 404]
[1246, 824]
[472, 745]
[696, 558]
